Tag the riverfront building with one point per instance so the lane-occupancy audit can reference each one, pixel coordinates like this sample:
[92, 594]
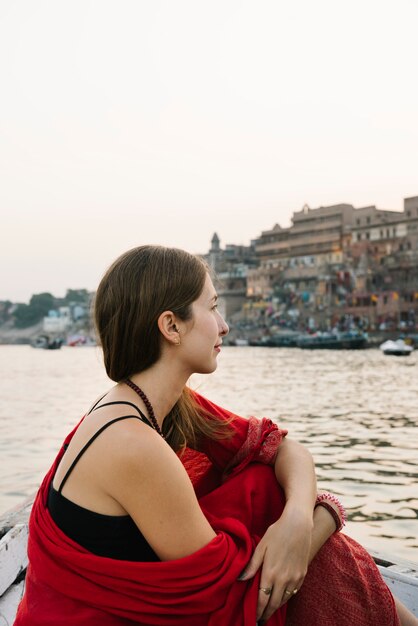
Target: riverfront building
[331, 261]
[230, 267]
[300, 257]
[384, 253]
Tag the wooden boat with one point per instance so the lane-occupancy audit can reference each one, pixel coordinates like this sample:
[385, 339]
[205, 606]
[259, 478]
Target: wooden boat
[47, 343]
[281, 339]
[13, 560]
[400, 576]
[333, 341]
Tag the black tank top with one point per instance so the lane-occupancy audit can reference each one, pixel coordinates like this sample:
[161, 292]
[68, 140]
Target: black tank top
[114, 536]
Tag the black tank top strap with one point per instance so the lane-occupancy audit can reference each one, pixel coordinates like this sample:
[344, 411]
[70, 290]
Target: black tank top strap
[96, 403]
[143, 417]
[96, 434]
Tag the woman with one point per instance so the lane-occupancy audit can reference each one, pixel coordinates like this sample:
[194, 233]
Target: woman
[162, 508]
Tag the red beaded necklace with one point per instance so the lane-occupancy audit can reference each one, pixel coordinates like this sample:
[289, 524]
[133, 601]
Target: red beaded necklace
[147, 403]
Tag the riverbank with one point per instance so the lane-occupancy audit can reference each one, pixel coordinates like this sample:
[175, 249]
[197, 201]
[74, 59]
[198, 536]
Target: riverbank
[247, 335]
[10, 335]
[240, 335]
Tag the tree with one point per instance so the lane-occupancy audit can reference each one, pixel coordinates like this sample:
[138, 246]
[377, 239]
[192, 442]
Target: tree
[77, 295]
[29, 314]
[5, 307]
[43, 302]
[26, 316]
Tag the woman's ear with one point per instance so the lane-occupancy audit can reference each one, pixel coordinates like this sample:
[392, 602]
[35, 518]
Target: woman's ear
[168, 327]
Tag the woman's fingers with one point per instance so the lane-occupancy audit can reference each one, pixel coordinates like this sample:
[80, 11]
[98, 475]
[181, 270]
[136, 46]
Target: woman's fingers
[254, 564]
[282, 571]
[288, 593]
[265, 595]
[268, 604]
[277, 597]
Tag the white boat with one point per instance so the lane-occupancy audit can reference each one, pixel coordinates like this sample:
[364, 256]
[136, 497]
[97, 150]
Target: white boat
[241, 342]
[396, 348]
[401, 576]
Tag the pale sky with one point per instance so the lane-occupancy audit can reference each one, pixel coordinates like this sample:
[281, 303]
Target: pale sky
[124, 122]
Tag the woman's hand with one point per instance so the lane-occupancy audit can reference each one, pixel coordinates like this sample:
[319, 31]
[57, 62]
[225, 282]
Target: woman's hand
[283, 556]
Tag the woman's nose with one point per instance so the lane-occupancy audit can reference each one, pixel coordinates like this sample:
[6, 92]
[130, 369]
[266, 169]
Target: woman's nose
[224, 328]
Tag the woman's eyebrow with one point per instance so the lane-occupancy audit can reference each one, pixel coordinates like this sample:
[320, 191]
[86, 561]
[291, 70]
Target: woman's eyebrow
[214, 297]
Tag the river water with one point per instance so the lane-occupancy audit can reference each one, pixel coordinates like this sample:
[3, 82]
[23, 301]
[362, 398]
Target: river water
[357, 412]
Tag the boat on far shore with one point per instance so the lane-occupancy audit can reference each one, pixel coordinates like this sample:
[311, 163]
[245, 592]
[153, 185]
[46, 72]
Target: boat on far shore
[78, 341]
[280, 339]
[348, 340]
[46, 342]
[396, 348]
[354, 339]
[239, 341]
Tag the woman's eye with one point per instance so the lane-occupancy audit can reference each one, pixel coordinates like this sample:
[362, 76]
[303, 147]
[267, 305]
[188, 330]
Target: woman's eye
[215, 306]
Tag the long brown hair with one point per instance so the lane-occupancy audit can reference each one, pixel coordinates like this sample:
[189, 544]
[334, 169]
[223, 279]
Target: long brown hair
[135, 290]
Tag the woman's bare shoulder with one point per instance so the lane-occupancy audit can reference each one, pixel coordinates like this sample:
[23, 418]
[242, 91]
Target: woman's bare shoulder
[152, 485]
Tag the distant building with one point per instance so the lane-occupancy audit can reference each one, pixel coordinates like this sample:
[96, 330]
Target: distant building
[57, 322]
[331, 261]
[301, 254]
[230, 268]
[310, 255]
[384, 255]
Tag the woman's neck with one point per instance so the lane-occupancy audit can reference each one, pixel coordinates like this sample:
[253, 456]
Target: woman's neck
[162, 386]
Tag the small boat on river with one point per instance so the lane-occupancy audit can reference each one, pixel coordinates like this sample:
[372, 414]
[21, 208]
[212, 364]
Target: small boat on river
[350, 340]
[400, 576]
[281, 339]
[396, 348]
[239, 341]
[78, 341]
[47, 343]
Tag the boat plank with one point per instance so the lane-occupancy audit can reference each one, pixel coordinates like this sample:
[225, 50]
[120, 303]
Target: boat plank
[13, 555]
[17, 515]
[404, 587]
[9, 603]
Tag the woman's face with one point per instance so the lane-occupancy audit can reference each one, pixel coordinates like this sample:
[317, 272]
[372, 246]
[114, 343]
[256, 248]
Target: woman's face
[201, 341]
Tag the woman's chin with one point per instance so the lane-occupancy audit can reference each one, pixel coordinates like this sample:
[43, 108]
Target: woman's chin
[207, 369]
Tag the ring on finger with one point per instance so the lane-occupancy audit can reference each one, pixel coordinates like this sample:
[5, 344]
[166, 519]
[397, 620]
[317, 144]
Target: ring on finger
[266, 590]
[291, 593]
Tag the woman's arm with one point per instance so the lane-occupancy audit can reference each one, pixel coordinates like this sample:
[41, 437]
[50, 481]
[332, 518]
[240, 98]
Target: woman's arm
[290, 544]
[295, 472]
[145, 476]
[323, 528]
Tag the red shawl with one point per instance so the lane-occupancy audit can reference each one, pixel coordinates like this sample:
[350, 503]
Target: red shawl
[239, 495]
